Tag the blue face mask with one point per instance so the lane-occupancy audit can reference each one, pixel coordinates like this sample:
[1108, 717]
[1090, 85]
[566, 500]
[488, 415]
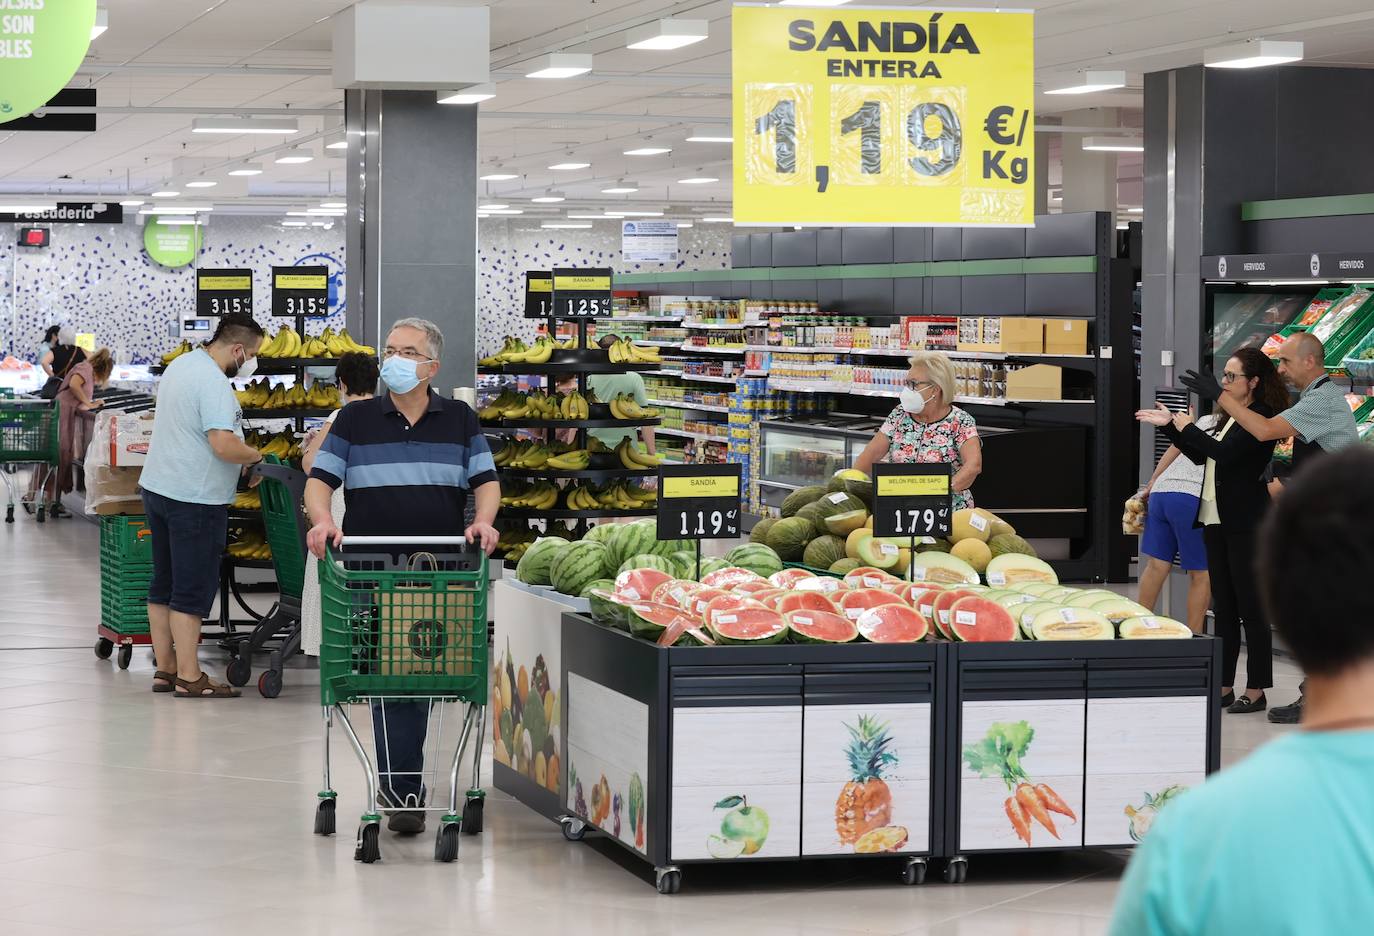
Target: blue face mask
[399, 374]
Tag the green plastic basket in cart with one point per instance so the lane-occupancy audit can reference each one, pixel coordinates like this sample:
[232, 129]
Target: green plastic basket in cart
[281, 520]
[28, 433]
[403, 627]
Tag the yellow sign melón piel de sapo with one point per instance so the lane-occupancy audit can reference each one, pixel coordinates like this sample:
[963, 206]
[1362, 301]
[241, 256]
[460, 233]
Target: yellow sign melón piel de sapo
[883, 116]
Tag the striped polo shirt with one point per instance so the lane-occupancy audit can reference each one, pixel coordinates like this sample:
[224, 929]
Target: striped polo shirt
[1322, 418]
[398, 478]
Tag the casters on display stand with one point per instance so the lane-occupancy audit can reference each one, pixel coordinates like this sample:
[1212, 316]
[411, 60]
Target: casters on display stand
[324, 817]
[103, 648]
[472, 812]
[446, 843]
[668, 880]
[573, 828]
[368, 849]
[239, 671]
[126, 655]
[914, 871]
[956, 870]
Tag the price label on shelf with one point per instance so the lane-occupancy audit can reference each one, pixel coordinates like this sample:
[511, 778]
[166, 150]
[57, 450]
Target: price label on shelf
[912, 500]
[220, 292]
[301, 290]
[538, 294]
[582, 293]
[698, 502]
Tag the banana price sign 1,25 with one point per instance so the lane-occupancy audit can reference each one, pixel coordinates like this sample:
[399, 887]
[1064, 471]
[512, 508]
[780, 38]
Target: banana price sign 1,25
[300, 290]
[538, 294]
[219, 292]
[582, 293]
[697, 502]
[883, 116]
[912, 500]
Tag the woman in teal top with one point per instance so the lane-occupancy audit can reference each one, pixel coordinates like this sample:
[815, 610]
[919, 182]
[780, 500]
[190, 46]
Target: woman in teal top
[1283, 842]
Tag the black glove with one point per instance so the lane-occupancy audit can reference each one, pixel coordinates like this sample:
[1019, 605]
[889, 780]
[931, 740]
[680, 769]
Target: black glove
[1202, 383]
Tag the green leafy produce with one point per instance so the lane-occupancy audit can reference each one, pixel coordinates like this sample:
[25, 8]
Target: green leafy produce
[999, 753]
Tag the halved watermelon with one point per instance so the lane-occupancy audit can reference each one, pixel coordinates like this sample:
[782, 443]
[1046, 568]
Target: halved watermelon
[675, 592]
[892, 623]
[868, 577]
[922, 598]
[729, 577]
[754, 587]
[648, 618]
[684, 627]
[820, 627]
[825, 584]
[701, 596]
[788, 578]
[943, 602]
[804, 601]
[856, 602]
[718, 606]
[748, 626]
[981, 620]
[639, 584]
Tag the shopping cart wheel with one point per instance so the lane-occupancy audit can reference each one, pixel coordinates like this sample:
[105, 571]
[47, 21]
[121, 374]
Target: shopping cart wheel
[38, 513]
[126, 654]
[472, 814]
[368, 849]
[269, 684]
[914, 871]
[573, 828]
[103, 648]
[668, 880]
[9, 514]
[239, 671]
[446, 844]
[324, 817]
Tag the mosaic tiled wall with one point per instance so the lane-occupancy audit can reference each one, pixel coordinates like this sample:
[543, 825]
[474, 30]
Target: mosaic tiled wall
[510, 247]
[97, 279]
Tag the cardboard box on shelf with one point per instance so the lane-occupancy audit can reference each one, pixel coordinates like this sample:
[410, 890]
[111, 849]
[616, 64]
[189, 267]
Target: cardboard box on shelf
[130, 436]
[1036, 382]
[1005, 334]
[1066, 336]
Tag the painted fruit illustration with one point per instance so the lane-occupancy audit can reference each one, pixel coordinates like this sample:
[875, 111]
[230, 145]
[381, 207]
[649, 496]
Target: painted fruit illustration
[743, 827]
[1000, 754]
[636, 805]
[886, 839]
[865, 803]
[1143, 816]
[616, 804]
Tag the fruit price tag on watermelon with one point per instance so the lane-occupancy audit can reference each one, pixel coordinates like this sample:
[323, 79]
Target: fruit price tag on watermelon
[699, 502]
[912, 499]
[965, 617]
[727, 618]
[803, 619]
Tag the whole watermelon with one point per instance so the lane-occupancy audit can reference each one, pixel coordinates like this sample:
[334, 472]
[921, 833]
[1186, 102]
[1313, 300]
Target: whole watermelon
[759, 534]
[711, 564]
[533, 567]
[823, 552]
[789, 536]
[800, 498]
[606, 612]
[686, 562]
[631, 539]
[573, 568]
[649, 561]
[601, 533]
[756, 558]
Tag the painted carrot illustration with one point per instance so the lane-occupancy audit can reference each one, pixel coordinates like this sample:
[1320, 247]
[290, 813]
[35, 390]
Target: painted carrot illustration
[1017, 814]
[1053, 802]
[999, 754]
[1027, 797]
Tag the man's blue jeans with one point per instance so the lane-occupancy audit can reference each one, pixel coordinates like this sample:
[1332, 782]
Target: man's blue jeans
[400, 729]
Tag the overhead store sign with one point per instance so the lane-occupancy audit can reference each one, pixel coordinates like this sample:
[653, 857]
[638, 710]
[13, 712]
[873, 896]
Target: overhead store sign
[300, 290]
[42, 43]
[582, 293]
[69, 212]
[648, 241]
[220, 292]
[888, 116]
[171, 245]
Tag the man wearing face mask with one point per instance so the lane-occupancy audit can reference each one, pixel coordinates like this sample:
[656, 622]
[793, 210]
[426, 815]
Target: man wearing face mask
[194, 463]
[407, 460]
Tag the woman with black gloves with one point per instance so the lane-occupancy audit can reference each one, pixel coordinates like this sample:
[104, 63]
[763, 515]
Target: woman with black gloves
[1230, 511]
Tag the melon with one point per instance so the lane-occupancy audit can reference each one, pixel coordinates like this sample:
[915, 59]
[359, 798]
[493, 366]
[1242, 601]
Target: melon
[973, 551]
[942, 569]
[1117, 610]
[639, 584]
[755, 557]
[685, 632]
[675, 592]
[834, 503]
[970, 523]
[759, 534]
[852, 481]
[788, 537]
[1072, 624]
[1085, 598]
[846, 522]
[604, 611]
[788, 578]
[1003, 543]
[1013, 599]
[867, 577]
[729, 577]
[648, 619]
[922, 598]
[855, 603]
[878, 554]
[1027, 613]
[767, 596]
[804, 601]
[724, 604]
[823, 552]
[941, 605]
[1010, 568]
[844, 566]
[892, 623]
[933, 545]
[533, 567]
[820, 627]
[799, 499]
[852, 541]
[815, 515]
[981, 620]
[1034, 588]
[1001, 527]
[748, 626]
[686, 562]
[1147, 627]
[577, 566]
[826, 584]
[651, 561]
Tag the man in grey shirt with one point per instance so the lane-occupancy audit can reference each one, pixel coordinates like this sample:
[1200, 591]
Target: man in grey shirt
[1321, 421]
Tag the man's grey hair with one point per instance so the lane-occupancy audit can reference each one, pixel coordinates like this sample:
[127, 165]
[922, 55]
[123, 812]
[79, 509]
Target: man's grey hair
[433, 336]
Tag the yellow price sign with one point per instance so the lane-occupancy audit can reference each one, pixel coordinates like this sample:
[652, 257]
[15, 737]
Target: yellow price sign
[297, 281]
[711, 486]
[883, 116]
[538, 285]
[211, 282]
[913, 485]
[582, 283]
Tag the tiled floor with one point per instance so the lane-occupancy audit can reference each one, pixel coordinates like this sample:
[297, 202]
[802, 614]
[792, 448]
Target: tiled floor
[124, 812]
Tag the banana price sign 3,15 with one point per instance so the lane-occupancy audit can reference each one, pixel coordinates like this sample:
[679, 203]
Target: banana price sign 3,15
[884, 116]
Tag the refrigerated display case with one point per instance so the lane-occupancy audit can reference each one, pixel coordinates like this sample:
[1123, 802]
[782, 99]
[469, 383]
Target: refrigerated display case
[1245, 315]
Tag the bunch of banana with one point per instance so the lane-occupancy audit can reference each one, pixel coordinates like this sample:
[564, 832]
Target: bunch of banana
[631, 457]
[626, 351]
[183, 348]
[540, 496]
[626, 407]
[341, 343]
[512, 346]
[247, 500]
[283, 445]
[537, 405]
[574, 406]
[514, 553]
[323, 396]
[506, 400]
[512, 540]
[250, 545]
[509, 452]
[577, 460]
[570, 344]
[284, 344]
[538, 353]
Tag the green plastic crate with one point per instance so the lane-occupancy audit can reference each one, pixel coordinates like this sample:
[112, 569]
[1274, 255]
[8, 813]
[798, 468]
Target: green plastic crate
[126, 539]
[1356, 366]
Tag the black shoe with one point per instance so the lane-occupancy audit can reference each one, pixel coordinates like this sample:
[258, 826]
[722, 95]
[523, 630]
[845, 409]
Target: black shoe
[1245, 705]
[58, 512]
[407, 817]
[1289, 714]
[1228, 699]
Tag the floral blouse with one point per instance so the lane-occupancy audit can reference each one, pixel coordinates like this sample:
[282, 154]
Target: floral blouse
[931, 443]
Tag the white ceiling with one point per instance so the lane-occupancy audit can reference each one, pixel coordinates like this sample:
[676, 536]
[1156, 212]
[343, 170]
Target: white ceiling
[157, 52]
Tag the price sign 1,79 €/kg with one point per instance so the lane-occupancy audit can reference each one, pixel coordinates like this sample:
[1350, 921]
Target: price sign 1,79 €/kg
[697, 502]
[302, 290]
[912, 500]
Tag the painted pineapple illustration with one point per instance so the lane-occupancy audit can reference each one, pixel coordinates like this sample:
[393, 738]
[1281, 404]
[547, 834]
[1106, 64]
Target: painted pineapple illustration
[865, 803]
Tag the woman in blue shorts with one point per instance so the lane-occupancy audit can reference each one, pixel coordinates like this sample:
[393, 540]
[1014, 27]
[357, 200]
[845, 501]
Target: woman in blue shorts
[1173, 492]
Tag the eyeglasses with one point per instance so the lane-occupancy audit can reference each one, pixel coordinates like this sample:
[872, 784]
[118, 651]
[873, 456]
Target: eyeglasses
[407, 353]
[1227, 376]
[918, 385]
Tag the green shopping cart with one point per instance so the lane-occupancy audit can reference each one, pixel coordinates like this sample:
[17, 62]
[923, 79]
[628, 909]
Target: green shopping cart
[405, 625]
[28, 436]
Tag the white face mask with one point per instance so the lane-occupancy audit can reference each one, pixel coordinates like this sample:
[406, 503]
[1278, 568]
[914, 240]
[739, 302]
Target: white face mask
[248, 368]
[912, 400]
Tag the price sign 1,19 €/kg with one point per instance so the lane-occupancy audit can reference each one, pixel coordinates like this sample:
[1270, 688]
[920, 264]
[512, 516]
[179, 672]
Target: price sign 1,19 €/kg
[697, 502]
[538, 294]
[220, 292]
[912, 500]
[581, 293]
[302, 290]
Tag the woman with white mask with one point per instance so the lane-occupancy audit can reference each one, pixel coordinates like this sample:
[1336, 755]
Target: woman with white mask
[927, 427]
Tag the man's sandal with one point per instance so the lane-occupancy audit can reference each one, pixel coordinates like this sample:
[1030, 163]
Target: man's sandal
[204, 688]
[168, 683]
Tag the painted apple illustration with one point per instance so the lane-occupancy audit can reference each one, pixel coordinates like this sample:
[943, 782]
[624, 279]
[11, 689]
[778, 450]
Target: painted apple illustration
[744, 825]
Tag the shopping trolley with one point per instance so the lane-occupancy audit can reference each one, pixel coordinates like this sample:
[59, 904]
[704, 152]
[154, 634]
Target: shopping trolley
[396, 632]
[28, 436]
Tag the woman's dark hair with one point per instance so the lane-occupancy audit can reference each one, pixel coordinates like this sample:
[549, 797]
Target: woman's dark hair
[102, 363]
[236, 328]
[50, 336]
[1314, 562]
[1271, 390]
[357, 373]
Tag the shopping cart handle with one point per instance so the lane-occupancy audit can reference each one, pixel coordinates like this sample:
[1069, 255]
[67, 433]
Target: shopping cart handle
[406, 540]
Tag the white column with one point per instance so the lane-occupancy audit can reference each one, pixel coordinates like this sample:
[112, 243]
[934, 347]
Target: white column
[1089, 177]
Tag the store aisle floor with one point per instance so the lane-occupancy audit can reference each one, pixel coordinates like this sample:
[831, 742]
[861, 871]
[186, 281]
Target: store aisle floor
[124, 812]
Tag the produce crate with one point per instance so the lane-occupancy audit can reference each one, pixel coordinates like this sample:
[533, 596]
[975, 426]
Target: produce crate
[1329, 294]
[126, 567]
[1339, 344]
[1356, 366]
[126, 540]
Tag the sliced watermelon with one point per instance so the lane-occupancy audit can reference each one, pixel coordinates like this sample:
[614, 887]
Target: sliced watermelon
[648, 618]
[892, 623]
[868, 577]
[788, 578]
[981, 620]
[725, 603]
[729, 577]
[826, 584]
[754, 587]
[921, 596]
[804, 601]
[767, 595]
[684, 627]
[748, 626]
[943, 602]
[856, 602]
[820, 627]
[701, 596]
[639, 584]
[675, 592]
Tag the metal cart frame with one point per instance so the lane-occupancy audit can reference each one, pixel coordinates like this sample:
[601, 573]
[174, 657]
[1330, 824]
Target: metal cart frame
[29, 436]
